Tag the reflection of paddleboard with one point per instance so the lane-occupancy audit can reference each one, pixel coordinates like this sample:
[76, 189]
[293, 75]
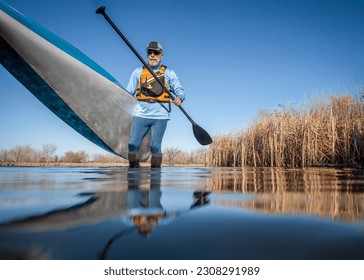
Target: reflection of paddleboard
[68, 82]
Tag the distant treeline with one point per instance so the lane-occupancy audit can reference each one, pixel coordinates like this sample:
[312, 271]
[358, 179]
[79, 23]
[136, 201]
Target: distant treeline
[328, 132]
[26, 154]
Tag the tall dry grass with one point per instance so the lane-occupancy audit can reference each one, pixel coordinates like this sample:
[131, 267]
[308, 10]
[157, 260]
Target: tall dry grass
[328, 132]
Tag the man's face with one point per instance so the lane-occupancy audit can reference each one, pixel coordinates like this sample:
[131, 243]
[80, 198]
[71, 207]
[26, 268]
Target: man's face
[154, 57]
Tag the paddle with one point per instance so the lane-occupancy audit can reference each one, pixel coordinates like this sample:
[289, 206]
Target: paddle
[200, 134]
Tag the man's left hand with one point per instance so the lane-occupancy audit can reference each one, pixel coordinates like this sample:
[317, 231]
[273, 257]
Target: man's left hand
[177, 101]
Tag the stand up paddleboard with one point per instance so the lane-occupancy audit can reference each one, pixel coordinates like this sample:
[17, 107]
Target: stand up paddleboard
[70, 84]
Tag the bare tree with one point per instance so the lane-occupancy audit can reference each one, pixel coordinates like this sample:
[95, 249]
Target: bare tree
[75, 157]
[23, 153]
[171, 153]
[199, 156]
[16, 152]
[4, 155]
[48, 151]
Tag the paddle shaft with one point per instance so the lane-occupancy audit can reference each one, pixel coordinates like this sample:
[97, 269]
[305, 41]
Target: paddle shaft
[101, 10]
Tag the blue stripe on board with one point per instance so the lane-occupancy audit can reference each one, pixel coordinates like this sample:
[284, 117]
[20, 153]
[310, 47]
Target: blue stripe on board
[56, 41]
[25, 74]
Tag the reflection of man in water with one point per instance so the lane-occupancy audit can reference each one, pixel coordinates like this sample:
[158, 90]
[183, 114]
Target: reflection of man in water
[144, 200]
[145, 210]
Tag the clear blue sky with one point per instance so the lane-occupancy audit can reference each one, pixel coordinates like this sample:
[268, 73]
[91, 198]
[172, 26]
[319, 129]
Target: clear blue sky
[234, 58]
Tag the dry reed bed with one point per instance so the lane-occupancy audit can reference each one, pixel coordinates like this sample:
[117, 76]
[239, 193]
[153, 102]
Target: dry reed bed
[329, 132]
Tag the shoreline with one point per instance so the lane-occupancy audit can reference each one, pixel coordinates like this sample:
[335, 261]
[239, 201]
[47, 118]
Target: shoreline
[147, 164]
[84, 164]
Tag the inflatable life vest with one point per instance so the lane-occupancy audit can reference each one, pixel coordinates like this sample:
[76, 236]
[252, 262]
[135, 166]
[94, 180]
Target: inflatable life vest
[149, 89]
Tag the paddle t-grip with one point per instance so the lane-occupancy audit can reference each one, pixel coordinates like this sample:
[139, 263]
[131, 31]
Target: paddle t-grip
[101, 10]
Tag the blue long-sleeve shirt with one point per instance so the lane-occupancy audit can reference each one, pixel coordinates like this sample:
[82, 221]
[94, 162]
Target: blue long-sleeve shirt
[155, 110]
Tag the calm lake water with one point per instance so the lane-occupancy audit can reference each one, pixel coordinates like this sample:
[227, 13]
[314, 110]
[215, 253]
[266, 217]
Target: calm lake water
[181, 213]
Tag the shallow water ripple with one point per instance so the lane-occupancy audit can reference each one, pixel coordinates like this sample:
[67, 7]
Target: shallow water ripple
[181, 213]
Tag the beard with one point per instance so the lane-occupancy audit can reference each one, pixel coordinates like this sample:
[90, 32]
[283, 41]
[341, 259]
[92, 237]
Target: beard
[153, 62]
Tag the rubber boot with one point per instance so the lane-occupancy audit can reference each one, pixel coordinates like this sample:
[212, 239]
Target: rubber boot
[156, 161]
[133, 160]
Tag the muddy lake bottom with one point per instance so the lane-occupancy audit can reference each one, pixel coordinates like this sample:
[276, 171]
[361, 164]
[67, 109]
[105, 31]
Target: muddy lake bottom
[181, 213]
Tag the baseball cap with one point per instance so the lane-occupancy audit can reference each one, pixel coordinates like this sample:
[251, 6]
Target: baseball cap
[154, 46]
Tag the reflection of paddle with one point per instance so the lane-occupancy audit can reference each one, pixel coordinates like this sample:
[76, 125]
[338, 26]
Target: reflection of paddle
[200, 134]
[200, 199]
[124, 232]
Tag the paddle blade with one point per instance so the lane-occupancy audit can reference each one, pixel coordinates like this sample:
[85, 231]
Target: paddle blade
[201, 135]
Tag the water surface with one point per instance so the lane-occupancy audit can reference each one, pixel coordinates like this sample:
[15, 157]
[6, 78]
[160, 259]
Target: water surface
[181, 213]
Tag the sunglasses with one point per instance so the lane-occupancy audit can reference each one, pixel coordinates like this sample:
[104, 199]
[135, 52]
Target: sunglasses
[155, 52]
